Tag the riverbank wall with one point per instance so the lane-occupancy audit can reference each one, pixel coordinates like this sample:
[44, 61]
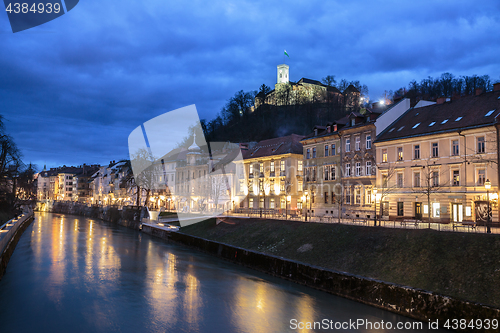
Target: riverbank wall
[10, 233]
[409, 301]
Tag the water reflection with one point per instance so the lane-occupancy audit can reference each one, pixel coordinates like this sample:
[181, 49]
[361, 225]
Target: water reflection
[78, 274]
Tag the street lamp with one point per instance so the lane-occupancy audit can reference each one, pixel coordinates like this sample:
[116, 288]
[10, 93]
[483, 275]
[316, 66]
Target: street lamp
[487, 186]
[306, 194]
[260, 205]
[375, 212]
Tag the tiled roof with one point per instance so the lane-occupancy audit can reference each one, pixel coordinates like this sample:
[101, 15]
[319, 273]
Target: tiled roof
[464, 113]
[277, 146]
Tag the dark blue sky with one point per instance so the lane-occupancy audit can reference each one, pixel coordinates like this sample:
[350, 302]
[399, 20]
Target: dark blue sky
[73, 89]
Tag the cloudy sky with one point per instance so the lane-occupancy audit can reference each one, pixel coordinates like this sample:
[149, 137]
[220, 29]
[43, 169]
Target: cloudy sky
[73, 89]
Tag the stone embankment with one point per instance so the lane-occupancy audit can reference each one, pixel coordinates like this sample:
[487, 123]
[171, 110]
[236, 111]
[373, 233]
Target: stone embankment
[10, 233]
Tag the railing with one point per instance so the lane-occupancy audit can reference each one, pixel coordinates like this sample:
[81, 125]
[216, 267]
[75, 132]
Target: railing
[9, 229]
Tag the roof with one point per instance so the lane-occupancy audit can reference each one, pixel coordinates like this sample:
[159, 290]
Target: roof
[309, 81]
[284, 145]
[464, 113]
[351, 89]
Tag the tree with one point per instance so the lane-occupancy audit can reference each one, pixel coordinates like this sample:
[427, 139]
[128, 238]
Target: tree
[431, 182]
[329, 81]
[386, 186]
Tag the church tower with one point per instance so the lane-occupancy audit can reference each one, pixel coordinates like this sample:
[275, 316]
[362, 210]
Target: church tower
[283, 76]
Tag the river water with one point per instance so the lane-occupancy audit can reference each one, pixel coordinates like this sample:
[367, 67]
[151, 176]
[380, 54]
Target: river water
[74, 274]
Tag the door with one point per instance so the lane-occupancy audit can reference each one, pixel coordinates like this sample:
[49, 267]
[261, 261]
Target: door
[457, 212]
[418, 210]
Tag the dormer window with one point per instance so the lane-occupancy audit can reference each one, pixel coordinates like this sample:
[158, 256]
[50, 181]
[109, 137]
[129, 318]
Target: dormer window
[353, 122]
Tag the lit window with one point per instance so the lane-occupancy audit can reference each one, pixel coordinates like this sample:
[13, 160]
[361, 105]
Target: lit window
[368, 197]
[299, 168]
[400, 153]
[300, 186]
[272, 167]
[436, 209]
[368, 142]
[282, 163]
[384, 155]
[261, 168]
[271, 203]
[250, 203]
[357, 196]
[251, 169]
[456, 177]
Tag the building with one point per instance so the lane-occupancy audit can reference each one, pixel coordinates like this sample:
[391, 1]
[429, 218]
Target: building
[304, 91]
[322, 172]
[435, 160]
[274, 171]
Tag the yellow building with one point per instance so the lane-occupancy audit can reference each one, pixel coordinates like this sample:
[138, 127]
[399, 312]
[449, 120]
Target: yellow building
[436, 159]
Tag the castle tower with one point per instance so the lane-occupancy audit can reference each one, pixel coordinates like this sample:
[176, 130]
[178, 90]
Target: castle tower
[283, 74]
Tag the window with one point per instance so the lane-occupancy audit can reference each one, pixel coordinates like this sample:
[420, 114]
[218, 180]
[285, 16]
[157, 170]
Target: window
[271, 203]
[416, 125]
[400, 209]
[456, 177]
[283, 203]
[444, 121]
[250, 203]
[326, 197]
[300, 186]
[432, 124]
[242, 185]
[326, 150]
[261, 203]
[272, 167]
[299, 168]
[282, 165]
[313, 174]
[454, 148]
[334, 152]
[333, 198]
[416, 152]
[261, 168]
[357, 144]
[261, 185]
[299, 204]
[489, 113]
[314, 152]
[348, 195]
[326, 171]
[368, 142]
[435, 151]
[400, 153]
[271, 186]
[368, 199]
[416, 179]
[368, 168]
[251, 170]
[332, 172]
[282, 186]
[384, 155]
[436, 209]
[458, 118]
[435, 178]
[480, 145]
[481, 176]
[358, 169]
[357, 196]
[400, 179]
[308, 154]
[348, 170]
[347, 145]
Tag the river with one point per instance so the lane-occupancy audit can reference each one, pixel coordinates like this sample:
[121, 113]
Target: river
[75, 274]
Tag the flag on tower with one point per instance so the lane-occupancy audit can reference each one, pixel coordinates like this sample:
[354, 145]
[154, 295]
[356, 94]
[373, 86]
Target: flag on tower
[287, 54]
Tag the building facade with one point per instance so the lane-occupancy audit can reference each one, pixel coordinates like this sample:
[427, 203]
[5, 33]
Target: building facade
[434, 161]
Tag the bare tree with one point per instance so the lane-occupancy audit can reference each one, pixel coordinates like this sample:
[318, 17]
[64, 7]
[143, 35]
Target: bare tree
[387, 186]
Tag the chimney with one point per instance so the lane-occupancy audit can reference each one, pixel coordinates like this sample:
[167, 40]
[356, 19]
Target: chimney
[441, 100]
[479, 91]
[496, 86]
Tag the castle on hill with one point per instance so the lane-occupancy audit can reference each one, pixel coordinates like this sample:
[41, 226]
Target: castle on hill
[306, 91]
